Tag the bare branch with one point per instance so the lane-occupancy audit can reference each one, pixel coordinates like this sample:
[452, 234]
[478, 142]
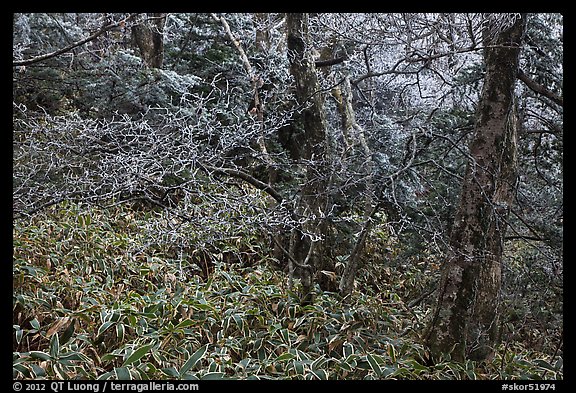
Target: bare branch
[538, 88]
[523, 237]
[249, 179]
[329, 62]
[256, 82]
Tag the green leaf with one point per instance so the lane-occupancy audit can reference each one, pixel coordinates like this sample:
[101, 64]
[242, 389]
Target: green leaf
[54, 346]
[132, 320]
[35, 324]
[545, 365]
[299, 321]
[19, 368]
[302, 355]
[285, 356]
[202, 307]
[417, 366]
[152, 370]
[226, 324]
[298, 366]
[559, 364]
[38, 371]
[170, 371]
[244, 363]
[374, 364]
[19, 334]
[320, 374]
[317, 337]
[185, 323]
[75, 356]
[285, 335]
[84, 220]
[392, 352]
[347, 349]
[239, 321]
[140, 373]
[40, 355]
[213, 366]
[120, 331]
[110, 357]
[123, 373]
[105, 376]
[115, 316]
[68, 333]
[104, 327]
[402, 372]
[137, 354]
[213, 375]
[522, 363]
[191, 362]
[318, 363]
[258, 344]
[345, 366]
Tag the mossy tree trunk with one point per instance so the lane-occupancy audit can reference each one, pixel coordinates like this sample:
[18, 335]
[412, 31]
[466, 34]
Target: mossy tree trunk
[307, 243]
[465, 321]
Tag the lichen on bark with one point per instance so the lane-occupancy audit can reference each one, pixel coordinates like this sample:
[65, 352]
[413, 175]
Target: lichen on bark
[466, 317]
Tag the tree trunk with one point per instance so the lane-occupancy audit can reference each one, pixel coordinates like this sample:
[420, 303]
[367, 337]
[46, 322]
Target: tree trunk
[353, 135]
[262, 24]
[465, 320]
[149, 37]
[307, 242]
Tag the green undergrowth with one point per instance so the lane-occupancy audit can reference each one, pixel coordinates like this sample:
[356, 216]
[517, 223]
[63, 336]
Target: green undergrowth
[85, 307]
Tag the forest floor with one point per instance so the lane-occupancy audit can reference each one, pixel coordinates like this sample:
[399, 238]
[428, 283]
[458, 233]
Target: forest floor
[88, 304]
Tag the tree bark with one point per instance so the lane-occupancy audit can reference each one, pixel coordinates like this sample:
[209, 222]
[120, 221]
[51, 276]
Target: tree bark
[149, 37]
[312, 122]
[465, 321]
[353, 135]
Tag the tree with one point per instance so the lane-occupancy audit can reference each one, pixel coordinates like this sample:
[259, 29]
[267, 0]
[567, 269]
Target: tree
[466, 318]
[149, 37]
[306, 244]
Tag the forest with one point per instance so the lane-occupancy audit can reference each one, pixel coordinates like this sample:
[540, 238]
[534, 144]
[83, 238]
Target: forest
[287, 196]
